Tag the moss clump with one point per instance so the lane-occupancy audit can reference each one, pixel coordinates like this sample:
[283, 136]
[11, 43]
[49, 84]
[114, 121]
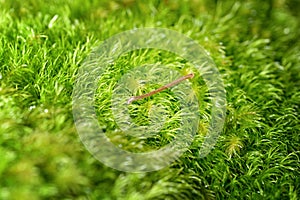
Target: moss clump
[256, 47]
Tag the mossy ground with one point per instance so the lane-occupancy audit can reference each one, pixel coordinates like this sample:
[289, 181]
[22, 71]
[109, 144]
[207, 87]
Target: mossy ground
[256, 47]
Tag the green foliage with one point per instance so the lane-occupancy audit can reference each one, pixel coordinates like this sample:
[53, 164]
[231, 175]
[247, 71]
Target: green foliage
[256, 47]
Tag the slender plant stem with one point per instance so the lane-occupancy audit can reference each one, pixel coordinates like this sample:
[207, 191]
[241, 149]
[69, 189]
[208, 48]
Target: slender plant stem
[134, 98]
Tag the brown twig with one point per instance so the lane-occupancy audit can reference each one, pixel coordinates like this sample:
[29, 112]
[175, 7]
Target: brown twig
[134, 98]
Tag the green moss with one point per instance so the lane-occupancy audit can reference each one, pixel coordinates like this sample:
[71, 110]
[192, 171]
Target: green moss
[256, 47]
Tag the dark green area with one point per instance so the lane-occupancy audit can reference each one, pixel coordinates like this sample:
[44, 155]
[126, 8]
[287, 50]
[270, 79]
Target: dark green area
[256, 47]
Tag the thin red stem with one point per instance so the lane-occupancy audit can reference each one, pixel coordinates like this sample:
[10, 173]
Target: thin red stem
[134, 98]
